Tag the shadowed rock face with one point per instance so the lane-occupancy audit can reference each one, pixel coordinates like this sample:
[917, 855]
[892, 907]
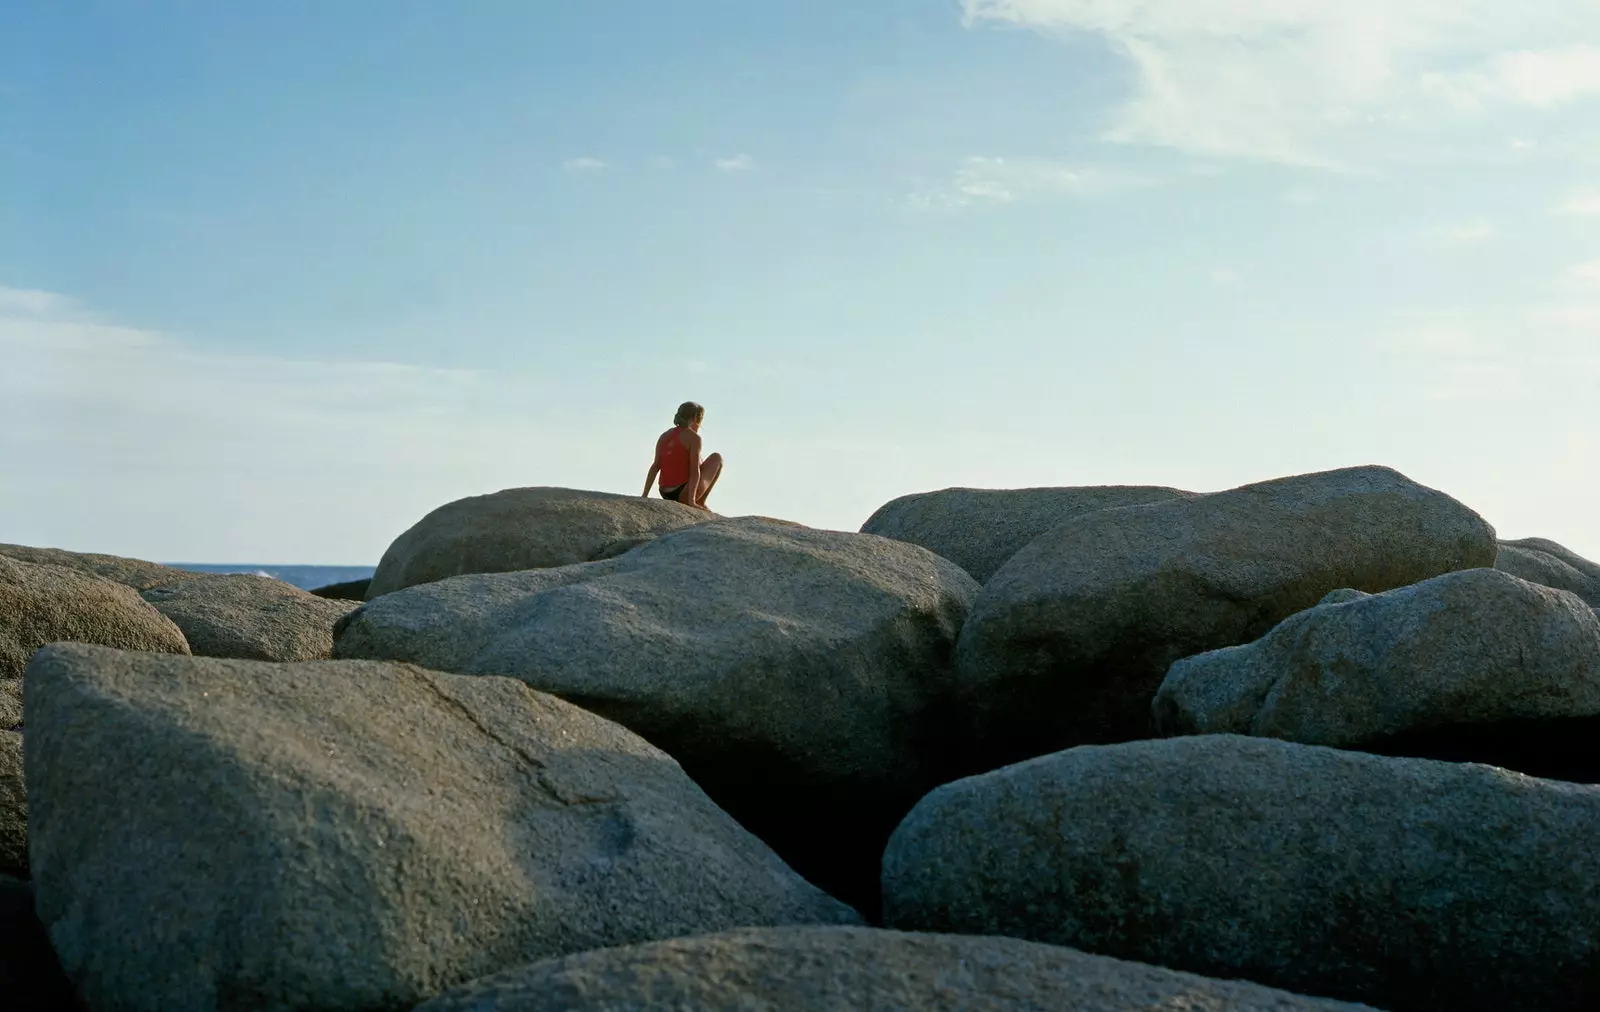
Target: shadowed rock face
[13, 807]
[1539, 560]
[1070, 639]
[523, 528]
[802, 677]
[30, 975]
[250, 617]
[356, 835]
[350, 590]
[1408, 884]
[824, 969]
[979, 529]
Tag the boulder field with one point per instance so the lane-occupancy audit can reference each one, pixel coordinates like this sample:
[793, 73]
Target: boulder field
[1320, 742]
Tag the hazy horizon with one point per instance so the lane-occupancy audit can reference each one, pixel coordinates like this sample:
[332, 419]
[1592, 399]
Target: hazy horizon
[276, 281]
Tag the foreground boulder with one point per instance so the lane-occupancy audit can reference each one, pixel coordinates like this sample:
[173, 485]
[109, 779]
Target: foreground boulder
[1408, 884]
[42, 604]
[979, 529]
[30, 975]
[13, 807]
[250, 617]
[135, 573]
[825, 969]
[1538, 560]
[524, 528]
[1506, 665]
[1071, 638]
[802, 677]
[356, 835]
[10, 704]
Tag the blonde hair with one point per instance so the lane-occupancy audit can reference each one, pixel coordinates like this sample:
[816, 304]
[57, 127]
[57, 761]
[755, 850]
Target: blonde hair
[688, 412]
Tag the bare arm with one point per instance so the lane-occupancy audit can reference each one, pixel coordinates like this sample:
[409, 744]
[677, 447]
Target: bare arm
[650, 478]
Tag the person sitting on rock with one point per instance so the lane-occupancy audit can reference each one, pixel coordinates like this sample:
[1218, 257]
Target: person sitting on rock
[684, 476]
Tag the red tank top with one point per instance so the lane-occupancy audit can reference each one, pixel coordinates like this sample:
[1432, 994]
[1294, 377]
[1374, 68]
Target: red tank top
[673, 457]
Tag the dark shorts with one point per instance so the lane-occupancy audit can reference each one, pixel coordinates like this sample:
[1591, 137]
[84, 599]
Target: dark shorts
[673, 492]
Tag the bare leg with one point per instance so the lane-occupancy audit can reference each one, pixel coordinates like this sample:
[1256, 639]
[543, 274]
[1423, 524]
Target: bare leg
[710, 471]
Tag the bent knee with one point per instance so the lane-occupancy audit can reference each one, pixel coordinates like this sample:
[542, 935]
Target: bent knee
[714, 460]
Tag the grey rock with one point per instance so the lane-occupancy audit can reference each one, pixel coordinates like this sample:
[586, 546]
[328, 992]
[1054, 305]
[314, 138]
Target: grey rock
[250, 617]
[42, 604]
[30, 975]
[350, 590]
[1344, 595]
[1070, 639]
[523, 528]
[1405, 883]
[135, 573]
[10, 704]
[802, 677]
[979, 529]
[1542, 561]
[861, 969]
[214, 834]
[13, 807]
[1474, 647]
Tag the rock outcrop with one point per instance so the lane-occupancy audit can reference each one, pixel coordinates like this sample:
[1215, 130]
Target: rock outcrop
[350, 590]
[523, 528]
[979, 529]
[824, 969]
[1538, 560]
[1408, 884]
[13, 807]
[1070, 639]
[249, 617]
[229, 835]
[802, 677]
[135, 573]
[42, 604]
[1480, 650]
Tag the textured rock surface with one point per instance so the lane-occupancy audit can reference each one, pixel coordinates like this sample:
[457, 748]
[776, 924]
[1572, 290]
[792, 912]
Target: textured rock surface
[1070, 639]
[42, 604]
[980, 528]
[250, 617]
[802, 677]
[523, 528]
[861, 969]
[1409, 884]
[1474, 647]
[13, 807]
[135, 573]
[211, 834]
[30, 975]
[10, 703]
[1538, 560]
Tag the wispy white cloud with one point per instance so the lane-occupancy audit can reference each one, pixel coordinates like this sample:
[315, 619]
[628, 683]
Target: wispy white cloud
[32, 302]
[1584, 204]
[1302, 81]
[985, 180]
[737, 163]
[1583, 277]
[583, 164]
[1469, 233]
[1226, 276]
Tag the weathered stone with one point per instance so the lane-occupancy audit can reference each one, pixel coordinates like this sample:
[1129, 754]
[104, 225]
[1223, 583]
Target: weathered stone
[135, 573]
[823, 969]
[802, 677]
[249, 617]
[13, 807]
[1539, 560]
[979, 529]
[42, 604]
[30, 975]
[1070, 639]
[1409, 884]
[523, 528]
[350, 590]
[1478, 647]
[212, 834]
[10, 703]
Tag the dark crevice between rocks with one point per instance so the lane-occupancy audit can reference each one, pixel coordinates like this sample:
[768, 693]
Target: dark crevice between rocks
[1558, 749]
[31, 978]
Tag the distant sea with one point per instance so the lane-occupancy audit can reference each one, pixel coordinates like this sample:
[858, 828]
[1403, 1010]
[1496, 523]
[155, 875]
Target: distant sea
[304, 577]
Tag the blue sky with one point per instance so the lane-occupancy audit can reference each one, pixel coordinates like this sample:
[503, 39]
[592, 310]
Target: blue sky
[276, 279]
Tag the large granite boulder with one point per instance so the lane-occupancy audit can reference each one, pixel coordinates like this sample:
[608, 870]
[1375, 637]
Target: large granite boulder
[42, 604]
[135, 573]
[1070, 639]
[1507, 666]
[979, 529]
[524, 528]
[250, 617]
[1405, 883]
[30, 975]
[10, 704]
[809, 969]
[1539, 560]
[13, 807]
[802, 677]
[212, 834]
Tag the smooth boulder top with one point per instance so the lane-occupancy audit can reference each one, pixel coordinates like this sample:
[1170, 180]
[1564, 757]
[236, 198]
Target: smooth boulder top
[1473, 647]
[218, 835]
[523, 528]
[247, 617]
[42, 604]
[1404, 883]
[1070, 639]
[135, 573]
[861, 969]
[1539, 560]
[979, 529]
[13, 807]
[802, 677]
